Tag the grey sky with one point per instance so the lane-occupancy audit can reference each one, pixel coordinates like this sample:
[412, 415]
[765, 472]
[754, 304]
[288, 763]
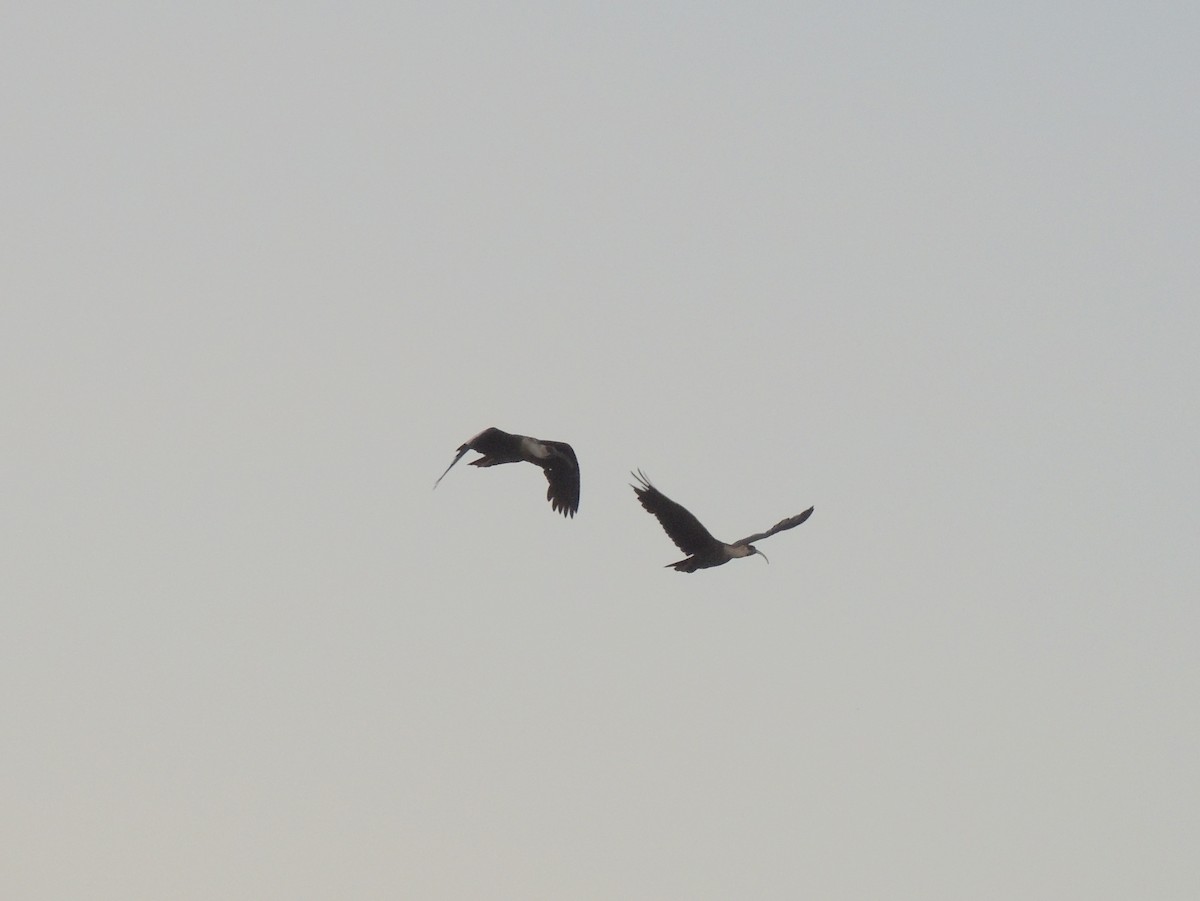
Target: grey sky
[932, 270]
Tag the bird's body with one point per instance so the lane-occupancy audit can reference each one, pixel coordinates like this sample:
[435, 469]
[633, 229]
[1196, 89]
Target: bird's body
[556, 458]
[693, 539]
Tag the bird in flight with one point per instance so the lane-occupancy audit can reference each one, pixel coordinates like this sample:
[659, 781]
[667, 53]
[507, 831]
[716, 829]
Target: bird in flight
[693, 539]
[556, 458]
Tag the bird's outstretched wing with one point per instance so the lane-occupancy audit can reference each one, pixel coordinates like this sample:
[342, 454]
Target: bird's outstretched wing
[680, 525]
[782, 526]
[562, 472]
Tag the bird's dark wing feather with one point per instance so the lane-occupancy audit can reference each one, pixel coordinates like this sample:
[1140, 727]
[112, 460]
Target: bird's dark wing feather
[562, 472]
[783, 525]
[680, 525]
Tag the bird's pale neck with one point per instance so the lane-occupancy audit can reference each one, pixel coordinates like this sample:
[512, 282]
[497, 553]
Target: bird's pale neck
[745, 550]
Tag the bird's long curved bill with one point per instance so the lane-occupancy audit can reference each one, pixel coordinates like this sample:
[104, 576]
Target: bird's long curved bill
[761, 554]
[461, 454]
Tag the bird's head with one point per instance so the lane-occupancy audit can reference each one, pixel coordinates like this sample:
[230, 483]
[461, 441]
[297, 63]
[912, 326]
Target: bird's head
[754, 550]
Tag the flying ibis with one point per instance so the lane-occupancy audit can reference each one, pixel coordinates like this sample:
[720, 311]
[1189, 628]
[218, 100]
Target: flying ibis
[693, 539]
[556, 458]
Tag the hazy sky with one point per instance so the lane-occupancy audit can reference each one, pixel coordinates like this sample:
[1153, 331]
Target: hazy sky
[932, 269]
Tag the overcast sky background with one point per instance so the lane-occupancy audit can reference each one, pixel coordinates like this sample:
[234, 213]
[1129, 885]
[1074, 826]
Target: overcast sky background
[932, 269]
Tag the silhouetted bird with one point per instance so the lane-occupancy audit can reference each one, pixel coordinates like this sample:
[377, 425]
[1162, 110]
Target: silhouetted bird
[556, 458]
[693, 539]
